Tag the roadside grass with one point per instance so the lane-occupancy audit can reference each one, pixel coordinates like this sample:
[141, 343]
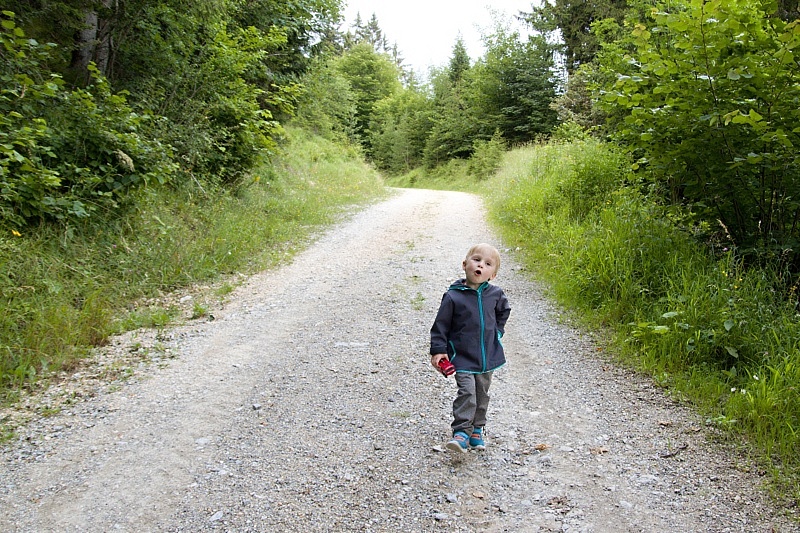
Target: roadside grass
[720, 335]
[451, 176]
[66, 289]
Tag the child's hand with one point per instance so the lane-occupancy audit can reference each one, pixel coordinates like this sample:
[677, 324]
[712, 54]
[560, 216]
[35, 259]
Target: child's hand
[441, 363]
[436, 358]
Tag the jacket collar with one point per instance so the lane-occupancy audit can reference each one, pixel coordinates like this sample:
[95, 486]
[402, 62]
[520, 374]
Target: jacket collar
[461, 285]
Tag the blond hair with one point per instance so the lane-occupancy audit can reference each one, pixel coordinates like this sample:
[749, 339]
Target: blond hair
[489, 250]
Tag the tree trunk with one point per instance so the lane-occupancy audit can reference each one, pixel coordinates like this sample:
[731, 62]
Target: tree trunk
[85, 44]
[92, 43]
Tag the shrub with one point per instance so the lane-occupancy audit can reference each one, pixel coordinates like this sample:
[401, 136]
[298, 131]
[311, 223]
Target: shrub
[64, 154]
[486, 157]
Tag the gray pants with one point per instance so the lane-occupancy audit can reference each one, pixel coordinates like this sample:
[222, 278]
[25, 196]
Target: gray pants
[472, 401]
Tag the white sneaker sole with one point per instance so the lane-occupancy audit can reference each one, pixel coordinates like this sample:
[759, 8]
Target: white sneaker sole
[455, 447]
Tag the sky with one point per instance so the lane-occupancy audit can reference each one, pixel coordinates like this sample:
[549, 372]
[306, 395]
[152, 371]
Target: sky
[426, 30]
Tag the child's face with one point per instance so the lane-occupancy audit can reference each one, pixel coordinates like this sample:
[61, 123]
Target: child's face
[480, 266]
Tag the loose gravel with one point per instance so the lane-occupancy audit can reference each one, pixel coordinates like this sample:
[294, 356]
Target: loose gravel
[308, 404]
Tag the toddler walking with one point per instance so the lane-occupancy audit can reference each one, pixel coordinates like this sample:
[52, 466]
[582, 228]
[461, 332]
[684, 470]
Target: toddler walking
[467, 331]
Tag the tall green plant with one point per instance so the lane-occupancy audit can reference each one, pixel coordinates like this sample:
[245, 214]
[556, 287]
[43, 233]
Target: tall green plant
[25, 179]
[574, 19]
[709, 91]
[514, 85]
[65, 153]
[326, 104]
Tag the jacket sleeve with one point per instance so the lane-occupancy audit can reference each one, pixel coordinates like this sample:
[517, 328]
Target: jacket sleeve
[502, 311]
[440, 331]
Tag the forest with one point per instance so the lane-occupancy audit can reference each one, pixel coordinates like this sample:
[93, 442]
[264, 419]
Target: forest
[129, 128]
[101, 99]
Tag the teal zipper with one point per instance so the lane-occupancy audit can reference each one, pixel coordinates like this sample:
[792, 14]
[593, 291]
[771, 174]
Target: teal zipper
[479, 292]
[483, 326]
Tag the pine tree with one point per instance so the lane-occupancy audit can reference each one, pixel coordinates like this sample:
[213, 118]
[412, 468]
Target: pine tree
[459, 62]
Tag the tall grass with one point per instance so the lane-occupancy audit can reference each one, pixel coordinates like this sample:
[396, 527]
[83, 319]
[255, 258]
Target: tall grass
[64, 290]
[723, 335]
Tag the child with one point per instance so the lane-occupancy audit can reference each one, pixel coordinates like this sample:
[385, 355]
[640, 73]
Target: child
[467, 331]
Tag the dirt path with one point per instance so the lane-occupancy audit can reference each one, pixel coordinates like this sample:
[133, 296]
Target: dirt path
[309, 405]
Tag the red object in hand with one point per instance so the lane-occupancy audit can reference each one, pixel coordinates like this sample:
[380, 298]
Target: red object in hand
[446, 367]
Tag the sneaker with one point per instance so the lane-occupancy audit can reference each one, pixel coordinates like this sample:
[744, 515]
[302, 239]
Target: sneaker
[458, 443]
[476, 439]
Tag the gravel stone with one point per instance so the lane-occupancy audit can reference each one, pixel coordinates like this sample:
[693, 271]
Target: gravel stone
[308, 404]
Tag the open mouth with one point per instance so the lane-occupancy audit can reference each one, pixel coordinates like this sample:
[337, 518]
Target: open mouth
[477, 272]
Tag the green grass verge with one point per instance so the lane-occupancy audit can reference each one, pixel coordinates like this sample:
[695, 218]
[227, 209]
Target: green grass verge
[451, 176]
[65, 290]
[718, 334]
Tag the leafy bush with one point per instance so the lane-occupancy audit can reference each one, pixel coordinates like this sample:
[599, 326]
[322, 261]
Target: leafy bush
[486, 157]
[709, 94]
[25, 180]
[64, 154]
[326, 104]
[595, 171]
[575, 179]
[216, 121]
[569, 131]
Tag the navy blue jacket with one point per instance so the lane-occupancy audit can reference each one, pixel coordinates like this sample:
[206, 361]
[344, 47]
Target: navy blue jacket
[469, 325]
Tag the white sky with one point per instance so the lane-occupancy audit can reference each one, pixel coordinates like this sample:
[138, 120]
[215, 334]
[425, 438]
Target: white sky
[426, 30]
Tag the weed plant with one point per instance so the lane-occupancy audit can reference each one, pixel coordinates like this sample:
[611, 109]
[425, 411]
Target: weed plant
[725, 336]
[65, 289]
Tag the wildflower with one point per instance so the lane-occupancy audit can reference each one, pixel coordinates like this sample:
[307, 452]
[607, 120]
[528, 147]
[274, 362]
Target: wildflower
[755, 377]
[733, 389]
[15, 233]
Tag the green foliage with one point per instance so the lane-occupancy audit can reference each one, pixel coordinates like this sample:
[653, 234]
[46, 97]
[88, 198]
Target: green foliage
[218, 122]
[372, 77]
[710, 93]
[459, 62]
[65, 154]
[65, 290]
[724, 335]
[454, 123]
[513, 86]
[398, 131]
[575, 105]
[574, 20]
[210, 81]
[486, 156]
[451, 175]
[568, 132]
[306, 24]
[326, 105]
[509, 90]
[26, 90]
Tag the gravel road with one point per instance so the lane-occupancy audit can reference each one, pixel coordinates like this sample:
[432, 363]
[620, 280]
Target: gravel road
[309, 405]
